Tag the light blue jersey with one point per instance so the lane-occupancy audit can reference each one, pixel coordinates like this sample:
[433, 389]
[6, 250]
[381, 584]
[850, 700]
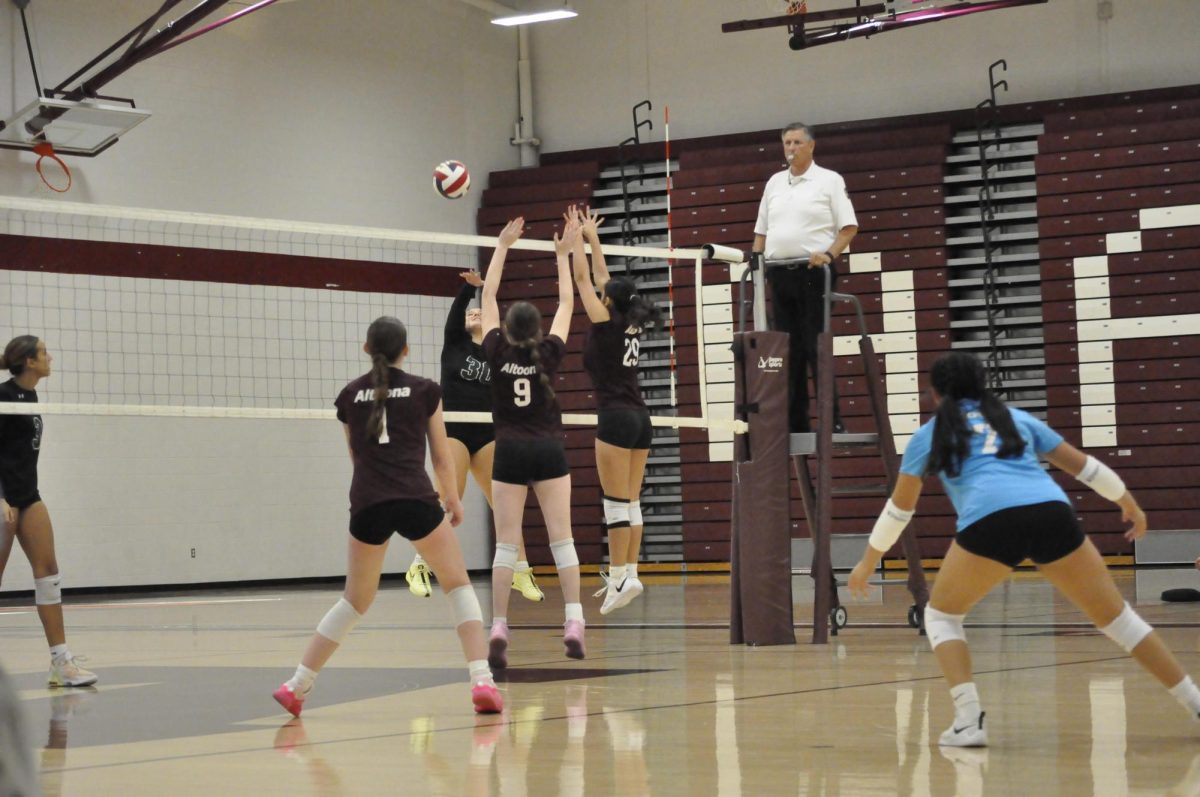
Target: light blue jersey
[986, 483]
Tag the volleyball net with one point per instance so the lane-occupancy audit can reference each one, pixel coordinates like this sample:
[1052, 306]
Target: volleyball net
[175, 314]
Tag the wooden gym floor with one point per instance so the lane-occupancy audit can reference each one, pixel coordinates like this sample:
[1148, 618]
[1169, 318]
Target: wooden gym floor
[663, 704]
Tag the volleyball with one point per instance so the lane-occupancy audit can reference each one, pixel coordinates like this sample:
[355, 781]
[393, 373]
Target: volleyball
[451, 179]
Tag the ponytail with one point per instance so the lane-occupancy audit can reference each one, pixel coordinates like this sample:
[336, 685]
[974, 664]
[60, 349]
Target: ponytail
[387, 339]
[379, 381]
[536, 357]
[958, 376]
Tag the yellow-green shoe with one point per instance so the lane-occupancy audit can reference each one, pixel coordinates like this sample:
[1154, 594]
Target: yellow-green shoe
[524, 583]
[418, 579]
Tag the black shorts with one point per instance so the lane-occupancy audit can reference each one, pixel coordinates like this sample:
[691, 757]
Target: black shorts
[624, 428]
[472, 435]
[410, 518]
[24, 501]
[529, 461]
[1043, 532]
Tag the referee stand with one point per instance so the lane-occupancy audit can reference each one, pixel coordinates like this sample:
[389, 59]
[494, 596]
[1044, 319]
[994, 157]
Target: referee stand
[808, 451]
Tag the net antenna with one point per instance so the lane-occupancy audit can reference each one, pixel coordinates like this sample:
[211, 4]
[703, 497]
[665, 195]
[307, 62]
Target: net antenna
[811, 28]
[73, 118]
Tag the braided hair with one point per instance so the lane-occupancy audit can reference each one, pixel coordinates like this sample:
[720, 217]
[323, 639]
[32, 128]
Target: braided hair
[634, 309]
[386, 340]
[956, 376]
[17, 352]
[523, 329]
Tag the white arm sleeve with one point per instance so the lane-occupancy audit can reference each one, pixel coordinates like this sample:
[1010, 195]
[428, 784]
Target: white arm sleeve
[1102, 479]
[889, 526]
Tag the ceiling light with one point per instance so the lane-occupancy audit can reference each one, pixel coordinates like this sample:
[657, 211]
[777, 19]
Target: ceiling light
[566, 12]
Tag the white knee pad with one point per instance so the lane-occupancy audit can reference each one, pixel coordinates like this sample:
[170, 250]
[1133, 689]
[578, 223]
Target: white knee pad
[941, 627]
[465, 605]
[47, 591]
[635, 513]
[1128, 630]
[616, 513]
[338, 621]
[564, 553]
[506, 556]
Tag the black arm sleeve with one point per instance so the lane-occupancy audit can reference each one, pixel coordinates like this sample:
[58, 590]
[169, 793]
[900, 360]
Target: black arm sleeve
[456, 320]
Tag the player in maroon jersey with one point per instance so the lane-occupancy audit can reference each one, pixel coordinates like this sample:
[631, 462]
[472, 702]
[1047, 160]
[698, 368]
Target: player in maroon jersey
[529, 438]
[623, 432]
[387, 415]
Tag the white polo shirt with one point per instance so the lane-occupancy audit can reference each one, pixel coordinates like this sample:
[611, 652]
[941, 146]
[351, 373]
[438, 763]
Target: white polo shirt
[800, 216]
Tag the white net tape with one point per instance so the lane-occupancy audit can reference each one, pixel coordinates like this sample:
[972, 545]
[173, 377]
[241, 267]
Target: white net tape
[139, 346]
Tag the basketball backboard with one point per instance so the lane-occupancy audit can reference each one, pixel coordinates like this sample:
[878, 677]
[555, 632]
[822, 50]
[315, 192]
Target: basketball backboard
[83, 128]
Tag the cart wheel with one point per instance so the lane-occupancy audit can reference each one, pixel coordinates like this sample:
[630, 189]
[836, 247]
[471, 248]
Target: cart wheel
[838, 617]
[914, 616]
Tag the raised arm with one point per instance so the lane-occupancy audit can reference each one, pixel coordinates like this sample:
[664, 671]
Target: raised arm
[456, 319]
[589, 222]
[561, 325]
[1103, 480]
[596, 311]
[489, 309]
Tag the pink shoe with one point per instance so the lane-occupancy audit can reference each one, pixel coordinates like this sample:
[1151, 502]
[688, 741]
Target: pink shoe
[498, 647]
[285, 697]
[486, 698]
[573, 639]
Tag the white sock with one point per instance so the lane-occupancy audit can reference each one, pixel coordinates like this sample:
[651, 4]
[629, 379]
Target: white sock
[59, 652]
[500, 620]
[631, 570]
[479, 670]
[302, 681]
[575, 611]
[522, 566]
[417, 560]
[617, 573]
[966, 702]
[1187, 694]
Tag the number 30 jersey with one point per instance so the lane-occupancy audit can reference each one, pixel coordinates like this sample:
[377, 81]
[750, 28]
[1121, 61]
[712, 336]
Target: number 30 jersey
[986, 483]
[610, 356]
[391, 467]
[520, 408]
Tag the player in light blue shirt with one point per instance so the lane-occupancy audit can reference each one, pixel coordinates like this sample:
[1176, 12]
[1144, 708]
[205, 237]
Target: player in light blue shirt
[1009, 510]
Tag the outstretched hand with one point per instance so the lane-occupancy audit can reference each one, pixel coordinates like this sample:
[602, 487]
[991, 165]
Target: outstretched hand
[590, 222]
[472, 278]
[570, 236]
[511, 232]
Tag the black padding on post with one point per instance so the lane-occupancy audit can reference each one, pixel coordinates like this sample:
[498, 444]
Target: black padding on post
[761, 544]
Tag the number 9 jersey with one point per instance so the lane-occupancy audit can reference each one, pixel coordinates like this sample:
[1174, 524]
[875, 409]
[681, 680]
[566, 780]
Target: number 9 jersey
[521, 409]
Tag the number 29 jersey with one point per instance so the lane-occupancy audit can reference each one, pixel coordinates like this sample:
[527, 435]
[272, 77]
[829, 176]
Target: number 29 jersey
[610, 356]
[986, 483]
[520, 408]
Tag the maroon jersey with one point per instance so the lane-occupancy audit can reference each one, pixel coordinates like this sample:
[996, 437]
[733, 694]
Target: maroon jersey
[520, 408]
[610, 356]
[393, 466]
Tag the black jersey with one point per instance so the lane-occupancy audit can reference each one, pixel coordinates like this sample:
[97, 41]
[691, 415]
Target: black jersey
[391, 467]
[610, 356]
[466, 375]
[520, 408]
[20, 441]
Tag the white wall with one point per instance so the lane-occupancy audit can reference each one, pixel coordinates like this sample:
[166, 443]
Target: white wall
[320, 111]
[718, 82]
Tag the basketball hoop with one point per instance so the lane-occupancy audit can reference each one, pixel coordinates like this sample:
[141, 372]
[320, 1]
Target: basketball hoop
[45, 149]
[797, 7]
